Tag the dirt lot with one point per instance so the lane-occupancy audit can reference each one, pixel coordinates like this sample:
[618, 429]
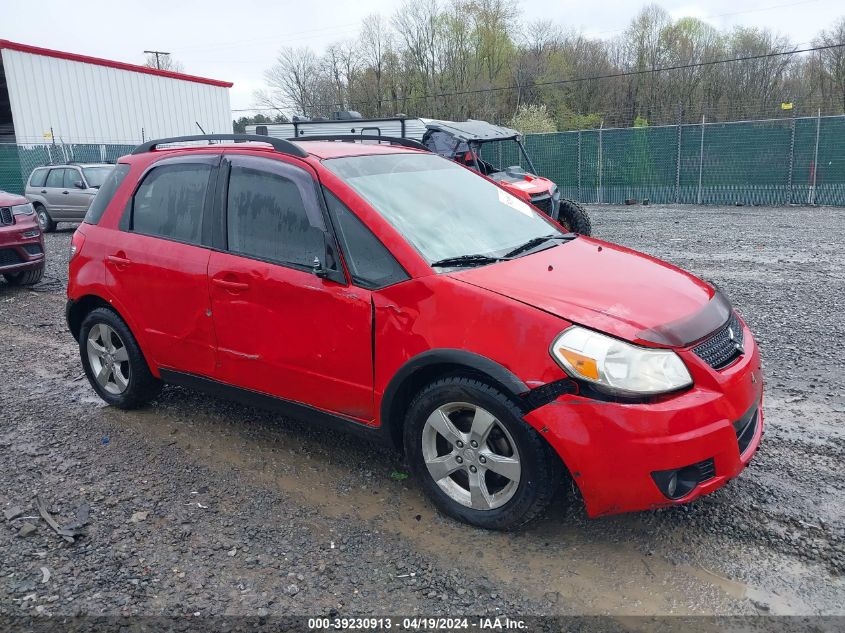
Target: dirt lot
[200, 506]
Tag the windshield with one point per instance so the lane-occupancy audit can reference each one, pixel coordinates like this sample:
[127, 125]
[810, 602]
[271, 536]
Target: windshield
[96, 176]
[443, 210]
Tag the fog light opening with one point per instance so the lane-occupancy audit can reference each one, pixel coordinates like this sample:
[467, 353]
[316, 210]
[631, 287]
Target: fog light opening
[679, 482]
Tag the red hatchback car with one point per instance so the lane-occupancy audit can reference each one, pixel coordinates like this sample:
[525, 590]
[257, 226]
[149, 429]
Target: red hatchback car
[397, 293]
[21, 241]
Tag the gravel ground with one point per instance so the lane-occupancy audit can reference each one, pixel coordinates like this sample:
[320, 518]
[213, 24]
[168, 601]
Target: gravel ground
[198, 506]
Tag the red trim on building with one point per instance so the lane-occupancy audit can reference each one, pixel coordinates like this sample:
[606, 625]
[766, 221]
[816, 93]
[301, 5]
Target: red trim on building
[97, 61]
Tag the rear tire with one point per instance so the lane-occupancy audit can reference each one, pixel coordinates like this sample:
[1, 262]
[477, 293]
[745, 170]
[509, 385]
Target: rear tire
[574, 217]
[500, 479]
[47, 224]
[25, 277]
[113, 361]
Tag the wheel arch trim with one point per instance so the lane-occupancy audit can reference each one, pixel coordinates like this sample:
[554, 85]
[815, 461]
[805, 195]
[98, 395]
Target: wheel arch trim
[75, 318]
[500, 375]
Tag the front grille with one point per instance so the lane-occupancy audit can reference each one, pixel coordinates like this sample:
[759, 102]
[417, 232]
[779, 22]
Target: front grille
[6, 217]
[32, 249]
[544, 203]
[9, 256]
[706, 470]
[745, 428]
[723, 347]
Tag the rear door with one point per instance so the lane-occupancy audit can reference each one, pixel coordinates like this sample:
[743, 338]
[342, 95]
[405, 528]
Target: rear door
[283, 330]
[157, 266]
[53, 193]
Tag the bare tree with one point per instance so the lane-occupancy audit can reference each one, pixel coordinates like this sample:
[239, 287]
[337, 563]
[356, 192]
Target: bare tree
[163, 61]
[831, 65]
[293, 82]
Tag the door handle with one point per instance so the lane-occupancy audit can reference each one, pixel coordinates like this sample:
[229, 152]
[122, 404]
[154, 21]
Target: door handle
[231, 286]
[43, 191]
[65, 192]
[119, 262]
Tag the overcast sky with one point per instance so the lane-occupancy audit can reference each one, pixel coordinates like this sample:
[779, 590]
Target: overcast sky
[237, 41]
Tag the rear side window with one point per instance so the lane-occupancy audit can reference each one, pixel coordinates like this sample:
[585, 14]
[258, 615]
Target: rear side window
[38, 178]
[105, 194]
[55, 178]
[370, 264]
[272, 216]
[169, 202]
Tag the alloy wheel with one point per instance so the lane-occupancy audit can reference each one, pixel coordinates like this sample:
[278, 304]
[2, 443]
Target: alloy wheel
[471, 456]
[109, 359]
[43, 219]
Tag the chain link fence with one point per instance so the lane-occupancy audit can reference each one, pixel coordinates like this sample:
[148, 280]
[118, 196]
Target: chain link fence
[770, 162]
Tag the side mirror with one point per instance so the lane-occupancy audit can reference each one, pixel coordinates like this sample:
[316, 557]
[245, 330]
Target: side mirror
[79, 185]
[319, 269]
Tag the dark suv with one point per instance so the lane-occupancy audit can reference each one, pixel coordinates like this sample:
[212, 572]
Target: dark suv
[399, 294]
[21, 241]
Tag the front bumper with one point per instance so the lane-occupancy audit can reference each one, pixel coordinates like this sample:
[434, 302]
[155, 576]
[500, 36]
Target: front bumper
[613, 449]
[21, 247]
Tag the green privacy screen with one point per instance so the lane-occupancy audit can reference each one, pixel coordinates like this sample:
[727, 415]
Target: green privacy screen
[748, 162]
[774, 162]
[18, 161]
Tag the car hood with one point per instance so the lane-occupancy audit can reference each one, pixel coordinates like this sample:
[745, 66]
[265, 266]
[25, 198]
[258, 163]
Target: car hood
[608, 288]
[10, 199]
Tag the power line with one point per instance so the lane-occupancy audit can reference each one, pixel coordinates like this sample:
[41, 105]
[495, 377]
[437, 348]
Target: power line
[559, 82]
[285, 37]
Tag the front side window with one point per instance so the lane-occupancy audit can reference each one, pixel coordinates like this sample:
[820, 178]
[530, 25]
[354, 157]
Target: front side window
[273, 213]
[169, 202]
[38, 178]
[72, 177]
[56, 178]
[442, 209]
[370, 264]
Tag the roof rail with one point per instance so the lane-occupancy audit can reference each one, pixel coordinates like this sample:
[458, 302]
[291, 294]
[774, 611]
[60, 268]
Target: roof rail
[351, 138]
[280, 145]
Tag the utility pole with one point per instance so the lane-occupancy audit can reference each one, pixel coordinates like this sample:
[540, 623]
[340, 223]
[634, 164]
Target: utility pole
[157, 53]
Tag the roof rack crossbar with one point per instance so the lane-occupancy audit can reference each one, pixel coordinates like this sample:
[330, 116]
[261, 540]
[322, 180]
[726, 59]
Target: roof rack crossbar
[279, 144]
[351, 138]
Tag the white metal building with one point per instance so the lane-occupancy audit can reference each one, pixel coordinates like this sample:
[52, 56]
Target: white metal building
[49, 96]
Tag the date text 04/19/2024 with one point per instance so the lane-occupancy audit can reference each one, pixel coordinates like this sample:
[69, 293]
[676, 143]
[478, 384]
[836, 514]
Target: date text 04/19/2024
[496, 623]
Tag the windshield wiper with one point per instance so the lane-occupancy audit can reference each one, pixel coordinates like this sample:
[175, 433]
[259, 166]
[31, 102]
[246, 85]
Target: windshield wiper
[534, 242]
[465, 260]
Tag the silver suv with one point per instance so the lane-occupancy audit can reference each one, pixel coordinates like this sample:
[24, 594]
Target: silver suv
[63, 193]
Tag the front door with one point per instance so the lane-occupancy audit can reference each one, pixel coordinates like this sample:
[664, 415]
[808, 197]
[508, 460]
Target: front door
[281, 329]
[76, 199]
[157, 266]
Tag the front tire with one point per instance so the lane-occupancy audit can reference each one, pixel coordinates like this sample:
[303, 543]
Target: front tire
[113, 362]
[44, 220]
[26, 277]
[476, 458]
[574, 217]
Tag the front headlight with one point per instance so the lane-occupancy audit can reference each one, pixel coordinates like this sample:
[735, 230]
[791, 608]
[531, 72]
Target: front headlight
[23, 209]
[617, 365]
